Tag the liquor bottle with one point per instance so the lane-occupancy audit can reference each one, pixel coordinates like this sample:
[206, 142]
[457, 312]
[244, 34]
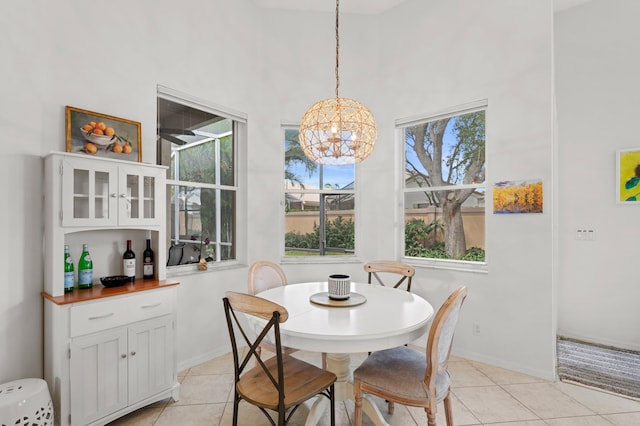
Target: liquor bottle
[147, 256]
[68, 270]
[129, 262]
[85, 268]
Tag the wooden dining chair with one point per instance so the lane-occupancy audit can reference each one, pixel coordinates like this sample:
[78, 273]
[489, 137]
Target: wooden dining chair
[264, 275]
[280, 383]
[412, 377]
[378, 268]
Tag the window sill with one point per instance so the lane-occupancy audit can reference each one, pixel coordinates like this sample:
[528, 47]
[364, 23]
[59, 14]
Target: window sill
[449, 265]
[315, 260]
[192, 268]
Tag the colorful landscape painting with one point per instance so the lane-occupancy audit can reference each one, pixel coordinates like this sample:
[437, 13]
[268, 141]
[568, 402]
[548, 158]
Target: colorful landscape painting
[517, 196]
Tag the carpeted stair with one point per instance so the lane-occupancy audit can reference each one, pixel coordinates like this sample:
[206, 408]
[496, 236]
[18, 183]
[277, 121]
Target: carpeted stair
[611, 369]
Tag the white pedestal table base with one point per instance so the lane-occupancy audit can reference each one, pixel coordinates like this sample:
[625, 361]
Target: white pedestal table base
[339, 364]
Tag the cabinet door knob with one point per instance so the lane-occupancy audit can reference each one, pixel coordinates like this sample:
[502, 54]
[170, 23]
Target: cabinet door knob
[123, 356]
[123, 195]
[113, 195]
[133, 353]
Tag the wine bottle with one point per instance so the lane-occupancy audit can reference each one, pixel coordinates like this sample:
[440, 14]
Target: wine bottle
[85, 268]
[68, 270]
[147, 269]
[129, 262]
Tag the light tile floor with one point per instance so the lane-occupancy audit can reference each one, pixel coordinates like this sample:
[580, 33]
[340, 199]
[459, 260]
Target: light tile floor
[482, 395]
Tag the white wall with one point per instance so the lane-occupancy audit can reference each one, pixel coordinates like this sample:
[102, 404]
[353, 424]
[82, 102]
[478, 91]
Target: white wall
[441, 54]
[105, 56]
[597, 98]
[416, 58]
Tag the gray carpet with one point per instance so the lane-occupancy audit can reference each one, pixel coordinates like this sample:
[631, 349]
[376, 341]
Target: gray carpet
[611, 369]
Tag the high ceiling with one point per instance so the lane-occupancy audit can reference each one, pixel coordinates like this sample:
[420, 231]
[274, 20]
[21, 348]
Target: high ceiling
[367, 7]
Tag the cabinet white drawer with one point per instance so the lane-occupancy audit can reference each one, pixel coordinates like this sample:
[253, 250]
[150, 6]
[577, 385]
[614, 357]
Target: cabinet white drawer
[92, 317]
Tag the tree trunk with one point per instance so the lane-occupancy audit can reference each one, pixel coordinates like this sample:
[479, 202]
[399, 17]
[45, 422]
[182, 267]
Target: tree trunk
[455, 243]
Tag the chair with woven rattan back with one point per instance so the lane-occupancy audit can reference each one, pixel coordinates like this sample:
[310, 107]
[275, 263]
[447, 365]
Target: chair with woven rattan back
[280, 383]
[411, 377]
[378, 268]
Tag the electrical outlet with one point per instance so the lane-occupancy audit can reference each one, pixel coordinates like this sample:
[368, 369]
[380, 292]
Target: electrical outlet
[585, 234]
[475, 329]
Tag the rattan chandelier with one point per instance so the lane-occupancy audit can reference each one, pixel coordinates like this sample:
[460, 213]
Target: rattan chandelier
[337, 131]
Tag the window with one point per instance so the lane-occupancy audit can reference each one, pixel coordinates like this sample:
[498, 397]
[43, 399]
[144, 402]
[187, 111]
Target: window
[198, 143]
[319, 204]
[444, 185]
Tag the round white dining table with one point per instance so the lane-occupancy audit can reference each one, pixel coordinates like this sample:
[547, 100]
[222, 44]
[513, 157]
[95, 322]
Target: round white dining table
[388, 318]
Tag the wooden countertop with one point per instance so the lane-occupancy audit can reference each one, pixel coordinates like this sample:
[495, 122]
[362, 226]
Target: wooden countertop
[98, 291]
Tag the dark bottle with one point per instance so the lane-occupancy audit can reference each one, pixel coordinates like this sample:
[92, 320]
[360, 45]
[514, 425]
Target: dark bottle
[129, 262]
[147, 256]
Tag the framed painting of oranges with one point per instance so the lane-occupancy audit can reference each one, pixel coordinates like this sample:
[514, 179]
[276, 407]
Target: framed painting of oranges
[102, 135]
[628, 176]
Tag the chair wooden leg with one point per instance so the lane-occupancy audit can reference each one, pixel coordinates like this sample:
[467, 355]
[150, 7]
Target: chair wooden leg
[357, 414]
[390, 407]
[448, 412]
[431, 417]
[324, 360]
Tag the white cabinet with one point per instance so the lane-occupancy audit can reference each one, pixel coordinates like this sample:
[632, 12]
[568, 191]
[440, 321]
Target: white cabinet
[113, 369]
[100, 193]
[110, 356]
[98, 375]
[108, 351]
[99, 200]
[150, 357]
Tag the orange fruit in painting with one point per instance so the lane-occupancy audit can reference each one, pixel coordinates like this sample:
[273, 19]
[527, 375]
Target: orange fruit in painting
[109, 131]
[100, 125]
[92, 124]
[97, 131]
[87, 127]
[117, 148]
[90, 148]
[127, 149]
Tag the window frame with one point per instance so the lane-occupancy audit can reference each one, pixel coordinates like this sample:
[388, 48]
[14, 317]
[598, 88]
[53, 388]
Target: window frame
[239, 158]
[400, 125]
[326, 259]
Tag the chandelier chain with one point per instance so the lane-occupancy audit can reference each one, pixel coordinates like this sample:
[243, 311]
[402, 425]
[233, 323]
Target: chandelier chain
[337, 46]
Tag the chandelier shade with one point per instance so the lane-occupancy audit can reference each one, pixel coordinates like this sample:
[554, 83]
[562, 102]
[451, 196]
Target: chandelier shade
[337, 131]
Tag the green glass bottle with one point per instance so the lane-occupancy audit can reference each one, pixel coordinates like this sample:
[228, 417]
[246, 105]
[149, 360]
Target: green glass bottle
[85, 268]
[68, 270]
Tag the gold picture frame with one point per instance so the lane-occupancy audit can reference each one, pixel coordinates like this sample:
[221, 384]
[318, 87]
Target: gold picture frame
[103, 135]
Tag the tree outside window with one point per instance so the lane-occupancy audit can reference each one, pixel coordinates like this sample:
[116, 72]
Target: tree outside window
[444, 187]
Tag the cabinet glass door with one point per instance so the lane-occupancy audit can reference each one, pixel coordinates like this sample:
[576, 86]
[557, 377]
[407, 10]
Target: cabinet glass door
[140, 206]
[91, 200]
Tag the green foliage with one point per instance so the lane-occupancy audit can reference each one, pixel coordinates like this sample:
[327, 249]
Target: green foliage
[415, 233]
[474, 254]
[340, 234]
[436, 251]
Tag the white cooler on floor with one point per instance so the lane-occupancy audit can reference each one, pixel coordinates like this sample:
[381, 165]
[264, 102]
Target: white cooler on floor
[25, 402]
